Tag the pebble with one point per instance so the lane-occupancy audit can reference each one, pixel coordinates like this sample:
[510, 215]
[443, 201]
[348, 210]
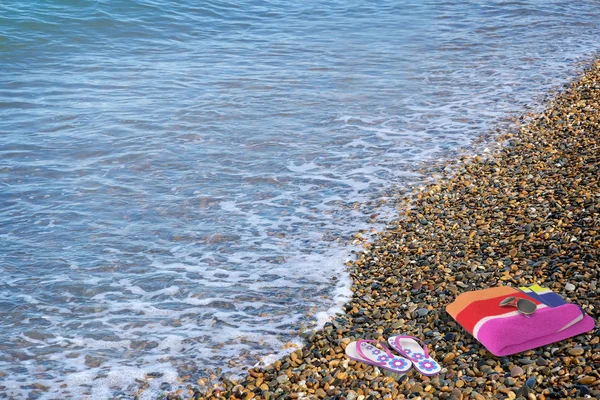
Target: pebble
[542, 362]
[575, 351]
[417, 388]
[531, 382]
[526, 213]
[449, 357]
[93, 362]
[569, 287]
[523, 391]
[587, 380]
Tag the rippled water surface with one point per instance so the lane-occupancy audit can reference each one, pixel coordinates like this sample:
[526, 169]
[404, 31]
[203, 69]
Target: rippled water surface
[177, 180]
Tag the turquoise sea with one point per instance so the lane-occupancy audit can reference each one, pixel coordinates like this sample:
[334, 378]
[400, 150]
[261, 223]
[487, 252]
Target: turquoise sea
[179, 181]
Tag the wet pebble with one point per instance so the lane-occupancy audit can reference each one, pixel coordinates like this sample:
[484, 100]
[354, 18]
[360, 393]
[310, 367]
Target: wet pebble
[93, 362]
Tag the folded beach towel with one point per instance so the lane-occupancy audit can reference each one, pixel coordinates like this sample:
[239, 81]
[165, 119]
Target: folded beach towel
[504, 331]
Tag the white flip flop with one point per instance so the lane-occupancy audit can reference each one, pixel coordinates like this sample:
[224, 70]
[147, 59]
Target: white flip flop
[409, 347]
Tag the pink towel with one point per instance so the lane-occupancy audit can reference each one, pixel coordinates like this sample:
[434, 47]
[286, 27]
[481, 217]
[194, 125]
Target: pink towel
[517, 333]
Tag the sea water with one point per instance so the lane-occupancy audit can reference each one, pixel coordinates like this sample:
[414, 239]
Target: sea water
[179, 181]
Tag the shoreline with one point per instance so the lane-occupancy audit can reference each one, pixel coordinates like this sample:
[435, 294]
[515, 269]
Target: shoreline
[529, 213]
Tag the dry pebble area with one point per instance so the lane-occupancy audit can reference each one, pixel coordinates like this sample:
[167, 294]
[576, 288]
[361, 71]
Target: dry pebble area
[528, 214]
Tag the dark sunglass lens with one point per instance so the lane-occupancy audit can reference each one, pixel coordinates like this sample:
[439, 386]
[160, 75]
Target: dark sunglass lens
[526, 306]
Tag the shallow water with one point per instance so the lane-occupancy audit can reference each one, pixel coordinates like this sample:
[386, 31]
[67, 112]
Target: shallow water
[178, 181]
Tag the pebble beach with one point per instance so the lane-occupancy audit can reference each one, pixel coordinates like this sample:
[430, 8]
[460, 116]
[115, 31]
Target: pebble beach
[525, 213]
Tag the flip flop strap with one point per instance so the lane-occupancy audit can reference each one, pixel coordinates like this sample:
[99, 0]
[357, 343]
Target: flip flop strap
[385, 348]
[401, 350]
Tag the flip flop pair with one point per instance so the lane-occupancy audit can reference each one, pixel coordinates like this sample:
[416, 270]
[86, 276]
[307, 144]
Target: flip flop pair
[412, 355]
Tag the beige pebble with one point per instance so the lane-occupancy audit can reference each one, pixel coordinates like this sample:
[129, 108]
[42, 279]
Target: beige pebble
[449, 357]
[586, 380]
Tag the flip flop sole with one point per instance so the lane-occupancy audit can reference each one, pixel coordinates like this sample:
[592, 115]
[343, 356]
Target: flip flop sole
[377, 358]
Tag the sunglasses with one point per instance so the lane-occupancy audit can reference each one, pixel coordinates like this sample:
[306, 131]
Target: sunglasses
[525, 307]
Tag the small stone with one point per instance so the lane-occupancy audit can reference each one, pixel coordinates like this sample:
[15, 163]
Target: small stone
[39, 335]
[398, 325]
[526, 361]
[449, 357]
[584, 390]
[460, 383]
[569, 287]
[531, 382]
[422, 312]
[165, 386]
[516, 371]
[586, 380]
[41, 387]
[575, 351]
[542, 362]
[417, 388]
[523, 391]
[238, 391]
[93, 362]
[142, 344]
